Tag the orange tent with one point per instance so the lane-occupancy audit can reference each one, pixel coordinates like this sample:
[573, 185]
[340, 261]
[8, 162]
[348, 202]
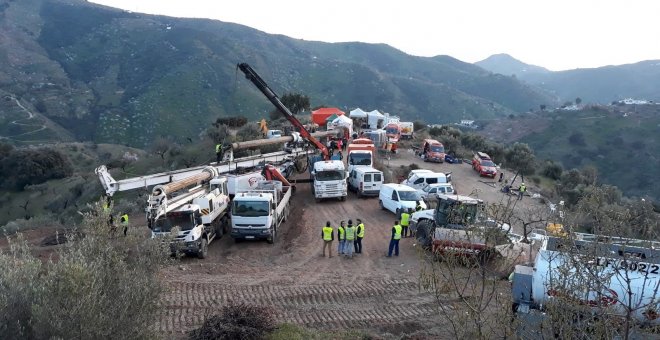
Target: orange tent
[319, 116]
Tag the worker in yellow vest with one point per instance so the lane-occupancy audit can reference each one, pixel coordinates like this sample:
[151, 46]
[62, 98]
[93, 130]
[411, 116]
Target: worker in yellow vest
[218, 152]
[341, 236]
[350, 238]
[359, 236]
[521, 191]
[328, 237]
[405, 222]
[124, 222]
[394, 241]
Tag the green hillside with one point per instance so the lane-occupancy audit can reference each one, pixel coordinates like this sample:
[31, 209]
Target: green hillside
[622, 148]
[109, 75]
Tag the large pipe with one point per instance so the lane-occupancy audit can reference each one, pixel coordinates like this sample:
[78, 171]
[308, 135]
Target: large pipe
[207, 174]
[280, 140]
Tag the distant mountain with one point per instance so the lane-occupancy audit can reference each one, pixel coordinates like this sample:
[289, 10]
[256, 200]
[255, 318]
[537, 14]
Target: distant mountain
[594, 85]
[508, 65]
[89, 72]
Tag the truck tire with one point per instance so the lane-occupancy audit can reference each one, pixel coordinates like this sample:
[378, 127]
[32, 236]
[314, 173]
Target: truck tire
[225, 225]
[218, 228]
[203, 248]
[424, 234]
[343, 198]
[271, 238]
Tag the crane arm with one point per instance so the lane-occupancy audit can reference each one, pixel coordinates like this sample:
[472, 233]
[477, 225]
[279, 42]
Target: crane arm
[251, 75]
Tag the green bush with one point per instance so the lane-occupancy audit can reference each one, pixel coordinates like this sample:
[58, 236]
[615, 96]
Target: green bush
[92, 288]
[552, 170]
[33, 166]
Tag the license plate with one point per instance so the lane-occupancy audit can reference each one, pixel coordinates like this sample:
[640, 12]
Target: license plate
[249, 236]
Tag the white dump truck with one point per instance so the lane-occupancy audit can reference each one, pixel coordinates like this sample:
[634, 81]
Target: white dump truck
[259, 213]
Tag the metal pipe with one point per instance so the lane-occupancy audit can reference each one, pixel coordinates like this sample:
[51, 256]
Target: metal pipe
[207, 174]
[270, 141]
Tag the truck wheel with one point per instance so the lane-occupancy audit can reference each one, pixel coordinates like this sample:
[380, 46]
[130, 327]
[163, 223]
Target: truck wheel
[425, 229]
[271, 238]
[225, 225]
[343, 198]
[203, 248]
[398, 214]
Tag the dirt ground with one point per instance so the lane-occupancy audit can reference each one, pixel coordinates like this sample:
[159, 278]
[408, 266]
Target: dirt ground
[369, 292]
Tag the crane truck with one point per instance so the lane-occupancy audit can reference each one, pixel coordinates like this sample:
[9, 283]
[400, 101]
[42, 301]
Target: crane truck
[618, 274]
[328, 175]
[196, 205]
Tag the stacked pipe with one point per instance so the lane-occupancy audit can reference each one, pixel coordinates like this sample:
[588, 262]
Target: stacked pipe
[285, 139]
[206, 175]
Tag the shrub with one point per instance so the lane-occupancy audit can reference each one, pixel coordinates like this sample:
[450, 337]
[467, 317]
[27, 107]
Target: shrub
[24, 167]
[237, 321]
[552, 170]
[96, 289]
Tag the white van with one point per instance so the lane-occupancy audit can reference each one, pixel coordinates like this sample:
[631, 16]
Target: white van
[396, 197]
[365, 180]
[421, 179]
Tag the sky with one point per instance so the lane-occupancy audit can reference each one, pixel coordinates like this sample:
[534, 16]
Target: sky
[555, 34]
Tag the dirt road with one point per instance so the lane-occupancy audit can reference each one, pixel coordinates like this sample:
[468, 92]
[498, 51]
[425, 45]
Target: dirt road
[370, 291]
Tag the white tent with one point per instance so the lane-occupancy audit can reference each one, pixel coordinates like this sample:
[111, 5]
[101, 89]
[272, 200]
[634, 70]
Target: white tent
[342, 121]
[375, 119]
[357, 113]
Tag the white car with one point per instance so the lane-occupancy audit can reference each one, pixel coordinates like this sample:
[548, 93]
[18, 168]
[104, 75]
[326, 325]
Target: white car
[436, 188]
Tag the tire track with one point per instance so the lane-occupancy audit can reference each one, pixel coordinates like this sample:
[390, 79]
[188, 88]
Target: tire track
[185, 305]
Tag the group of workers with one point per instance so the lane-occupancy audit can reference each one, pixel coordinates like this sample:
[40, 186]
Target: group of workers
[123, 219]
[347, 234]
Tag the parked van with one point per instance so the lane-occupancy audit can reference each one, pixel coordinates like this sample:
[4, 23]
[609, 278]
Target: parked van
[396, 197]
[420, 180]
[365, 180]
[432, 151]
[274, 134]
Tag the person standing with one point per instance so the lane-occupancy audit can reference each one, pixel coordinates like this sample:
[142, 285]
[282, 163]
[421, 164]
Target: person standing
[341, 236]
[521, 191]
[501, 177]
[328, 237]
[124, 223]
[344, 143]
[359, 236]
[394, 241]
[350, 238]
[405, 221]
[218, 152]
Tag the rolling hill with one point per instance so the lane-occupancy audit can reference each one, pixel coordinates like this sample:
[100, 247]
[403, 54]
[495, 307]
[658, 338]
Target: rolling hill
[593, 85]
[100, 74]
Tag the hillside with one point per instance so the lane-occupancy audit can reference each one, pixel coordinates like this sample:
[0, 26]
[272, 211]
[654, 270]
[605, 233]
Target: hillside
[593, 85]
[620, 141]
[106, 75]
[508, 65]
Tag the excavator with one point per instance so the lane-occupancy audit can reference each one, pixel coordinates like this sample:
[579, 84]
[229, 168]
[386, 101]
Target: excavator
[329, 175]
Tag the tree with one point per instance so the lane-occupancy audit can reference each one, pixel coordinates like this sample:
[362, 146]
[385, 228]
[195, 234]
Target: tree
[542, 106]
[521, 157]
[33, 166]
[578, 101]
[552, 170]
[296, 102]
[161, 146]
[577, 139]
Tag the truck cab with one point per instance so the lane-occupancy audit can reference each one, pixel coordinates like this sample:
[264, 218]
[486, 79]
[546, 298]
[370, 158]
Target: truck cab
[257, 214]
[433, 151]
[329, 179]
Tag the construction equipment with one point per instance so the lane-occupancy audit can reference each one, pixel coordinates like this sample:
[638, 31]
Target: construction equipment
[196, 205]
[329, 176]
[407, 130]
[258, 213]
[111, 186]
[592, 271]
[455, 226]
[360, 153]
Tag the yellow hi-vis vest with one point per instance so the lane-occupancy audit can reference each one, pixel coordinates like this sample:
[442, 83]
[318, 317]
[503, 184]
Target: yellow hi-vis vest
[405, 218]
[397, 232]
[342, 235]
[124, 219]
[327, 233]
[106, 207]
[218, 148]
[361, 233]
[522, 188]
[350, 233]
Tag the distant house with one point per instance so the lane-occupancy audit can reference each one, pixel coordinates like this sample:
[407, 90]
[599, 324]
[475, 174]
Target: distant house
[466, 122]
[630, 101]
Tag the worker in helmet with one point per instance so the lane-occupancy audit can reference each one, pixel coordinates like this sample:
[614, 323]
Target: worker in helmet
[521, 191]
[218, 152]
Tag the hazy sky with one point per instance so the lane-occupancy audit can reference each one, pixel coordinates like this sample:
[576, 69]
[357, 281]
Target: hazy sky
[556, 34]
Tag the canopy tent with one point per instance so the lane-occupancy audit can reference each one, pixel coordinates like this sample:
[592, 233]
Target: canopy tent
[375, 119]
[341, 121]
[357, 113]
[331, 118]
[319, 116]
